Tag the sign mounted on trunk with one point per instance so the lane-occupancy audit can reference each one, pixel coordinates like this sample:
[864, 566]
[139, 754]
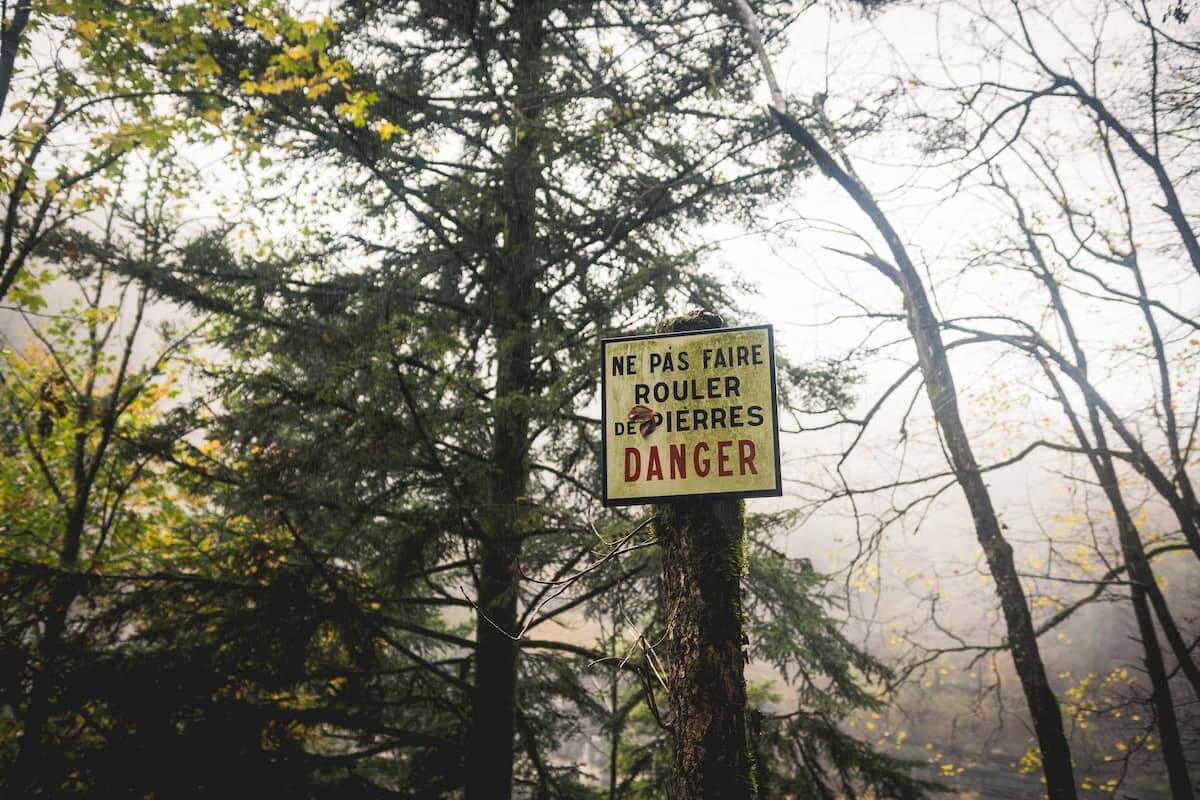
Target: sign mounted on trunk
[687, 414]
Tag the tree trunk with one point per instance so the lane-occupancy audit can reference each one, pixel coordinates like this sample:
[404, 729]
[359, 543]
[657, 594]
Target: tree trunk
[11, 42]
[1103, 465]
[702, 543]
[24, 778]
[490, 751]
[1144, 590]
[1164, 706]
[943, 399]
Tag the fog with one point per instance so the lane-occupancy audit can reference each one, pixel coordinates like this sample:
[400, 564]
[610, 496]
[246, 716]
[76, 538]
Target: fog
[927, 560]
[907, 563]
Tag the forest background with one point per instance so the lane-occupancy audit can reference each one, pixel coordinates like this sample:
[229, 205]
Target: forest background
[301, 308]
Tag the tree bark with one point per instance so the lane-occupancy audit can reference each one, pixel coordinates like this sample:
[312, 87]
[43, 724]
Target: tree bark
[702, 544]
[10, 42]
[24, 778]
[1164, 707]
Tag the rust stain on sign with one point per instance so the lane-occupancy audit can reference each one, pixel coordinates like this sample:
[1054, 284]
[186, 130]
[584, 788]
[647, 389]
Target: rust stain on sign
[644, 417]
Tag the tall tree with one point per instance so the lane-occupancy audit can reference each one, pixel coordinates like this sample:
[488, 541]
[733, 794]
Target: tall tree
[924, 328]
[78, 500]
[523, 178]
[1109, 268]
[1131, 129]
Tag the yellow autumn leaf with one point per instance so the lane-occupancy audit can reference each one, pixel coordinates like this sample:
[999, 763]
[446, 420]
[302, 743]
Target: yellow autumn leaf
[387, 130]
[217, 21]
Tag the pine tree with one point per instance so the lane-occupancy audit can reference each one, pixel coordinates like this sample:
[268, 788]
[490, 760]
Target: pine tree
[405, 395]
[527, 178]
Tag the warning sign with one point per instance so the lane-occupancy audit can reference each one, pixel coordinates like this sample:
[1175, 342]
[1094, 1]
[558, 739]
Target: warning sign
[690, 413]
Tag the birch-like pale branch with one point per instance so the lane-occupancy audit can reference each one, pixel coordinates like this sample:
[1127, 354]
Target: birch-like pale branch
[754, 34]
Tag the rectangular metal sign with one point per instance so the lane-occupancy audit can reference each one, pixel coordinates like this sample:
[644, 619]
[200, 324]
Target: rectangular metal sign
[691, 413]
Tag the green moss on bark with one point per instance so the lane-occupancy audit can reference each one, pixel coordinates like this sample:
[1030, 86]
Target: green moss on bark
[703, 542]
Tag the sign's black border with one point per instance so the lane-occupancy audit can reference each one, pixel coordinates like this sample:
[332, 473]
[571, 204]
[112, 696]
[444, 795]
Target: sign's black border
[637, 501]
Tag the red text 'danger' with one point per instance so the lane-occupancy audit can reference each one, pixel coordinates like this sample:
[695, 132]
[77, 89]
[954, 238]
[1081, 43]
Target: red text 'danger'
[725, 460]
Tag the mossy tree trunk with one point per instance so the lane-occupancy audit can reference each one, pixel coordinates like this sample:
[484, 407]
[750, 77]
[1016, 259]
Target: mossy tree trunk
[702, 543]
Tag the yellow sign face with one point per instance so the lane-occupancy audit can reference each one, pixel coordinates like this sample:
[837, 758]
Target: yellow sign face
[690, 413]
